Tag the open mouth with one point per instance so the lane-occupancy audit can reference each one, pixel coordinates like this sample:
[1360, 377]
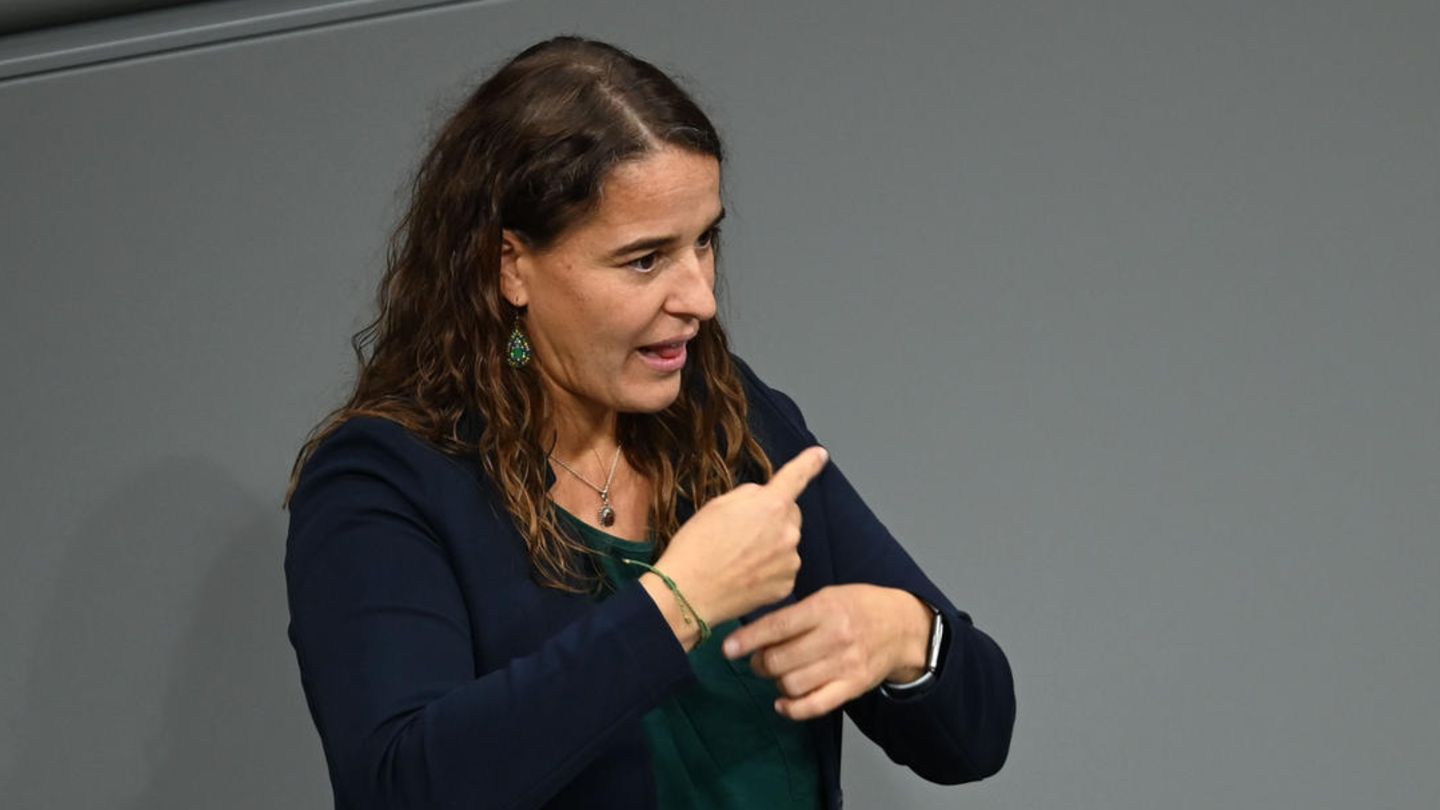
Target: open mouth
[664, 351]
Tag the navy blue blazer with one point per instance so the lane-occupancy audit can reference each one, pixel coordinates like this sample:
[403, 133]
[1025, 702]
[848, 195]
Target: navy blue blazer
[439, 675]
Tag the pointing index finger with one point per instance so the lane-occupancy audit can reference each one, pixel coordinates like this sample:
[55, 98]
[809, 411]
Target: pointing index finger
[797, 473]
[774, 627]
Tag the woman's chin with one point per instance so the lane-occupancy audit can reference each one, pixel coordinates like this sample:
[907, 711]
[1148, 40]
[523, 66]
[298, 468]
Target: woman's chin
[656, 398]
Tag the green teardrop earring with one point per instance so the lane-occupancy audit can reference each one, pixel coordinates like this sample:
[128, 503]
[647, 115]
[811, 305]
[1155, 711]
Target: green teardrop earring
[518, 351]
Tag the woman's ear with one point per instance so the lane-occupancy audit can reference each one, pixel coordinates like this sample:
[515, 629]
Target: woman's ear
[514, 264]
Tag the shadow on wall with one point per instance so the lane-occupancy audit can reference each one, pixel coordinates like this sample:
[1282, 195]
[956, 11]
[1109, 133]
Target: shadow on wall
[162, 670]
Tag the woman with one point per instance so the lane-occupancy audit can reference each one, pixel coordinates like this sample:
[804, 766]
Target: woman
[547, 554]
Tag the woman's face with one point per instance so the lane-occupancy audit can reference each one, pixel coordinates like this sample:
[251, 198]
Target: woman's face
[638, 271]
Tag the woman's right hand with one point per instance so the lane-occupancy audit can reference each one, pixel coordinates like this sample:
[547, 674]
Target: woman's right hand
[739, 551]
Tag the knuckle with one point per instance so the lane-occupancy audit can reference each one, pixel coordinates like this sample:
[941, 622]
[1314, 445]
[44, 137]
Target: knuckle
[744, 489]
[784, 588]
[769, 661]
[789, 684]
[854, 660]
[780, 625]
[792, 536]
[757, 664]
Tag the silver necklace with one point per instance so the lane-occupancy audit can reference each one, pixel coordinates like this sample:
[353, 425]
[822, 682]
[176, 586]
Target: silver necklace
[607, 512]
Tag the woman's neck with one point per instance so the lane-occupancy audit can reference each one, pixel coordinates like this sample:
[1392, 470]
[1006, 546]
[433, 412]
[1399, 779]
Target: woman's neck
[585, 438]
[579, 433]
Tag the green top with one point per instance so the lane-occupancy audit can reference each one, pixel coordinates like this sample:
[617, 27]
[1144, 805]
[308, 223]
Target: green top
[719, 744]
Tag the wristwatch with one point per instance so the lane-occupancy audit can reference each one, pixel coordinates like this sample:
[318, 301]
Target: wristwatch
[932, 658]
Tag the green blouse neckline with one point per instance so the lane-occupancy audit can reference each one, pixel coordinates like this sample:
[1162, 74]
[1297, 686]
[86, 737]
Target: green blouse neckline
[604, 538]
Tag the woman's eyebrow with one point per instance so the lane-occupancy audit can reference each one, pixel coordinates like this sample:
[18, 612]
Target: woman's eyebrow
[649, 243]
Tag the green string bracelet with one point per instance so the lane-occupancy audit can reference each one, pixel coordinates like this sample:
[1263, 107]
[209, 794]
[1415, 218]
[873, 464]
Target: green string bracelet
[686, 611]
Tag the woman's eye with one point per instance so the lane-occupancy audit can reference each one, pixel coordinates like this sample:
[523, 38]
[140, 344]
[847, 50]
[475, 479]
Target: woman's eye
[708, 238]
[645, 263]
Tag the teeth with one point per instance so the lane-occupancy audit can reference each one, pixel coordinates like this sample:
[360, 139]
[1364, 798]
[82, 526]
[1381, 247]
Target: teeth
[662, 347]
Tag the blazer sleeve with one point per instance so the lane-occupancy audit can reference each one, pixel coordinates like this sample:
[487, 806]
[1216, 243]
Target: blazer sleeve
[957, 727]
[381, 632]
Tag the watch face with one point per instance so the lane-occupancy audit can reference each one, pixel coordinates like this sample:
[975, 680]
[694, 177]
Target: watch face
[937, 635]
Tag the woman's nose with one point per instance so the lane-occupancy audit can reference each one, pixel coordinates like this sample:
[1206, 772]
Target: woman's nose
[694, 293]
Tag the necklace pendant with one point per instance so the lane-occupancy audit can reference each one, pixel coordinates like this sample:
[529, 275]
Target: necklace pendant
[607, 515]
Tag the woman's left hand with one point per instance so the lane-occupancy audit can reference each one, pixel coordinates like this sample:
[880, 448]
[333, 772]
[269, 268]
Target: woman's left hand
[835, 645]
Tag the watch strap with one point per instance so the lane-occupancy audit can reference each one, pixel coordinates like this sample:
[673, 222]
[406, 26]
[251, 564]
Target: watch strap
[932, 657]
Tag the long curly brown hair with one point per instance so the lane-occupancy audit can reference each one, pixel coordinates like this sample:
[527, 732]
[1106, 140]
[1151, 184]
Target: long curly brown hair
[529, 151]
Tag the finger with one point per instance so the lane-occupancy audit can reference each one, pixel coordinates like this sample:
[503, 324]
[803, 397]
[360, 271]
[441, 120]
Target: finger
[802, 682]
[801, 651]
[791, 479]
[772, 628]
[824, 700]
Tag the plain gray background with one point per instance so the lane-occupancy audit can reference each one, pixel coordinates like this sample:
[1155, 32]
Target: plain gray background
[1123, 316]
[28, 15]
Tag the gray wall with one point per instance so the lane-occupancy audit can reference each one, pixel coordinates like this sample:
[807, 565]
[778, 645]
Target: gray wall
[1124, 316]
[27, 15]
